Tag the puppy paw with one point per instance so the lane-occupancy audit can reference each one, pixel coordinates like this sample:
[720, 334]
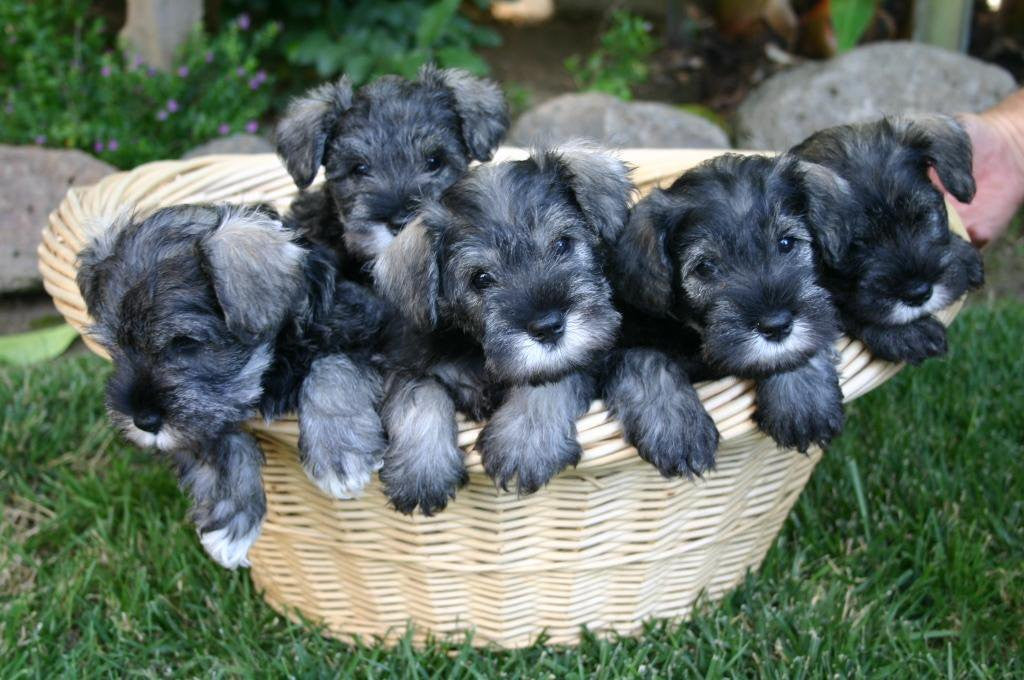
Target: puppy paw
[227, 550]
[913, 342]
[803, 407]
[801, 428]
[345, 480]
[423, 479]
[971, 263]
[683, 446]
[529, 453]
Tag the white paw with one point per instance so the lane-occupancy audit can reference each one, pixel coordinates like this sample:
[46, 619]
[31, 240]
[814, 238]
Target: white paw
[226, 552]
[347, 487]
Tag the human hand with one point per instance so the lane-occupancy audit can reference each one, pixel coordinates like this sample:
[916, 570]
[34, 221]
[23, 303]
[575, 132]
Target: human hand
[997, 136]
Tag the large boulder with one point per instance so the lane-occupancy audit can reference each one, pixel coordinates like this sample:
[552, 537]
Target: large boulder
[241, 142]
[33, 181]
[866, 83]
[613, 122]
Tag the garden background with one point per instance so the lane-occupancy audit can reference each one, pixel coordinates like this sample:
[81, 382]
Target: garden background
[905, 554]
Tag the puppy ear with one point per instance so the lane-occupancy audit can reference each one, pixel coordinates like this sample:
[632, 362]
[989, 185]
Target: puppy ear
[305, 130]
[946, 145]
[600, 182]
[256, 269]
[480, 105]
[832, 210]
[406, 274]
[95, 260]
[641, 269]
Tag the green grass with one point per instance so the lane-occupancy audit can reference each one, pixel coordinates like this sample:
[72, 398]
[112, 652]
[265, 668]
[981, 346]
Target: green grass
[903, 557]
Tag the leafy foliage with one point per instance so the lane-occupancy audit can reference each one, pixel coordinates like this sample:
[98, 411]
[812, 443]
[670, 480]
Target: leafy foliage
[368, 38]
[619, 64]
[850, 19]
[62, 85]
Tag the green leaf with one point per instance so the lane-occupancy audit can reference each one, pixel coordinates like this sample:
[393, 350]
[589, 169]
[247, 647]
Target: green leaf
[460, 57]
[433, 21]
[35, 346]
[850, 18]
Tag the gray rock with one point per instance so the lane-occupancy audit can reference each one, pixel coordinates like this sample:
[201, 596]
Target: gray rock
[33, 181]
[156, 29]
[613, 122]
[865, 83]
[237, 143]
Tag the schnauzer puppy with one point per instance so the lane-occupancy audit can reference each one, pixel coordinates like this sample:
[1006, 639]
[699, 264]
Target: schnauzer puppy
[502, 281]
[385, 148]
[212, 314]
[895, 262]
[727, 252]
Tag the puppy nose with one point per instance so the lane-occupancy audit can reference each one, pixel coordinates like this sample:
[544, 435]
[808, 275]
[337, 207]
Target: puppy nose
[149, 421]
[775, 325]
[917, 293]
[547, 327]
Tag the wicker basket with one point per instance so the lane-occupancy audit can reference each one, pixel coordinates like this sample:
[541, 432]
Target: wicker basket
[607, 545]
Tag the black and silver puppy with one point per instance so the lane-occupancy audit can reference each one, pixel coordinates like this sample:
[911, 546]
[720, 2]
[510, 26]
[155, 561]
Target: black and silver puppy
[212, 315]
[503, 282]
[385, 148]
[895, 262]
[726, 251]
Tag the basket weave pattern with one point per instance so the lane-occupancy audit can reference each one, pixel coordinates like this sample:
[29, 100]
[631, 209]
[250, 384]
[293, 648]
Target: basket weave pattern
[606, 545]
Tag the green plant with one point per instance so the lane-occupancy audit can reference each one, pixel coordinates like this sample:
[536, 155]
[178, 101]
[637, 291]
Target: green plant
[619, 64]
[368, 38]
[850, 19]
[63, 85]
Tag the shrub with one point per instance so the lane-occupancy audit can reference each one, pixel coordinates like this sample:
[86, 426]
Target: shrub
[64, 87]
[368, 38]
[619, 64]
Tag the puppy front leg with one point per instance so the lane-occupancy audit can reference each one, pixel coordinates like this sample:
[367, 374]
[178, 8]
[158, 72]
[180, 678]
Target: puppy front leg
[532, 436]
[911, 342]
[228, 505]
[341, 439]
[423, 466]
[661, 414]
[804, 406]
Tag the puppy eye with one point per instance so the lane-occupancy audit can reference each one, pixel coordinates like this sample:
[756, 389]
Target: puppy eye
[433, 162]
[786, 244]
[704, 268]
[562, 246]
[482, 280]
[360, 169]
[183, 344]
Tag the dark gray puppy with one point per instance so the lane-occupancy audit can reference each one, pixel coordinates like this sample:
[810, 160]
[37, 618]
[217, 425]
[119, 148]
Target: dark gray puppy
[727, 252]
[212, 315]
[385, 148]
[894, 263]
[503, 284]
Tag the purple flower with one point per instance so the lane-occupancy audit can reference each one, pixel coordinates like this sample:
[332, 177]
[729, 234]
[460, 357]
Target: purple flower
[223, 129]
[240, 71]
[161, 115]
[251, 127]
[172, 106]
[254, 83]
[183, 71]
[97, 146]
[136, 61]
[261, 75]
[105, 71]
[112, 145]
[209, 57]
[150, 71]
[244, 22]
[40, 139]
